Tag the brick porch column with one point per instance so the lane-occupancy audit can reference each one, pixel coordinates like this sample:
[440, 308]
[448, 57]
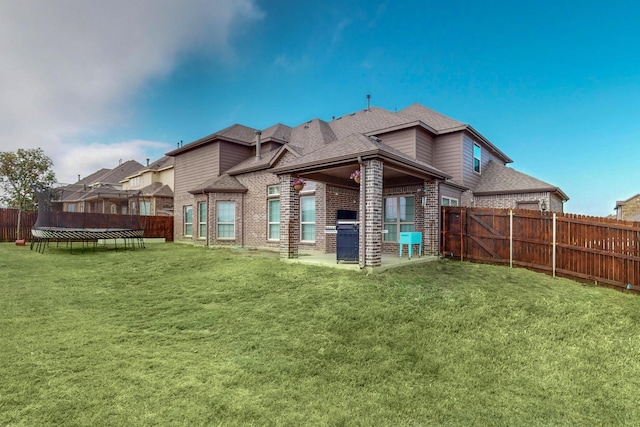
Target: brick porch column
[430, 239]
[371, 212]
[289, 218]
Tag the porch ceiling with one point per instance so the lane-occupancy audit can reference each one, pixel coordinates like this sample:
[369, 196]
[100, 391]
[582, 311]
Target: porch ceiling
[339, 176]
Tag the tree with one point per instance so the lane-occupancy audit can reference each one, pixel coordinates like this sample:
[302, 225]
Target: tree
[20, 173]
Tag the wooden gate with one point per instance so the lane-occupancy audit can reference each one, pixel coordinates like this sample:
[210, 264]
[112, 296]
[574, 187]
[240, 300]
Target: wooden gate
[593, 249]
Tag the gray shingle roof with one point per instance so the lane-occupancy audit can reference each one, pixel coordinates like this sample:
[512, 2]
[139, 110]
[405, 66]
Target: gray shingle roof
[350, 148]
[157, 189]
[220, 184]
[498, 178]
[433, 119]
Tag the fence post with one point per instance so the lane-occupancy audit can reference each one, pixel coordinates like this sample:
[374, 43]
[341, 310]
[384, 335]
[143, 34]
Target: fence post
[553, 267]
[510, 238]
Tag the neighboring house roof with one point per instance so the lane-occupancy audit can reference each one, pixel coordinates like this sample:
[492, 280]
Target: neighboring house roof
[157, 189]
[499, 179]
[94, 177]
[220, 184]
[163, 163]
[622, 202]
[117, 174]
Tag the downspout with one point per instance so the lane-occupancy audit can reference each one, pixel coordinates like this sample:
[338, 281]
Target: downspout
[363, 215]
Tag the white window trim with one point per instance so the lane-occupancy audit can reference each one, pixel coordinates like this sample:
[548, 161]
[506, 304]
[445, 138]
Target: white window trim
[473, 165]
[185, 223]
[218, 222]
[398, 223]
[310, 195]
[450, 200]
[201, 222]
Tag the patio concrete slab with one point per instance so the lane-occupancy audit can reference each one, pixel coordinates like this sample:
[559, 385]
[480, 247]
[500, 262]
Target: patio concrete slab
[329, 260]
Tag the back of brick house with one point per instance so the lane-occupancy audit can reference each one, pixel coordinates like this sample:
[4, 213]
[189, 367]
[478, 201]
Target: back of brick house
[234, 187]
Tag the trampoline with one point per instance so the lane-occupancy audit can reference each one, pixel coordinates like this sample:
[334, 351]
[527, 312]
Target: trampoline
[87, 228]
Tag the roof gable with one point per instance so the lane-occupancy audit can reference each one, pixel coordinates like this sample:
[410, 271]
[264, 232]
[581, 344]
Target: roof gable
[220, 184]
[498, 178]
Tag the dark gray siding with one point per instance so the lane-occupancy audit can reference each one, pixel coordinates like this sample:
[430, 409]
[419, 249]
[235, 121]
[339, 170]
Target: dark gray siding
[232, 154]
[194, 167]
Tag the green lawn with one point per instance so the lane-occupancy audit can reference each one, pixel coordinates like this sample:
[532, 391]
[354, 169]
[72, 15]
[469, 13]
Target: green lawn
[178, 335]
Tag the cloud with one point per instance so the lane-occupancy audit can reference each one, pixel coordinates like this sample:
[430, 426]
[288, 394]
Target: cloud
[71, 68]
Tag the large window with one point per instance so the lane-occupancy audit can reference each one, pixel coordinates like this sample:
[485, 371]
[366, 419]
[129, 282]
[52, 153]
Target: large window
[188, 221]
[273, 211]
[274, 219]
[398, 216]
[226, 220]
[308, 219]
[202, 220]
[477, 157]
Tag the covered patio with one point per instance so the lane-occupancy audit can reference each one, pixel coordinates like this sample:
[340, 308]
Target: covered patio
[384, 172]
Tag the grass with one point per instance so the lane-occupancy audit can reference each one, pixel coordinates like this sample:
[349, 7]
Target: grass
[179, 335]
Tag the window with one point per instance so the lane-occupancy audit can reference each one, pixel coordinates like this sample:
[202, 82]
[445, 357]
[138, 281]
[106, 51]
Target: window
[308, 219]
[477, 157]
[273, 190]
[202, 220]
[145, 208]
[274, 219]
[134, 182]
[114, 209]
[398, 216]
[188, 221]
[226, 217]
[449, 201]
[72, 207]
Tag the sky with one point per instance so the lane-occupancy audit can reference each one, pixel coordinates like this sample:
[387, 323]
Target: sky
[554, 85]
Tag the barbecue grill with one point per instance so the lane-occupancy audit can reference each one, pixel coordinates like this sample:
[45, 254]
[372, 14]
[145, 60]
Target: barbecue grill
[347, 236]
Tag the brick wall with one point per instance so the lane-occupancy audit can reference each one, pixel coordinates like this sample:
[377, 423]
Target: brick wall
[371, 205]
[430, 237]
[289, 218]
[510, 201]
[338, 198]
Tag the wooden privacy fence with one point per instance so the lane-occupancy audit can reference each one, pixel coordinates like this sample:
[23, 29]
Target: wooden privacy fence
[154, 226]
[600, 250]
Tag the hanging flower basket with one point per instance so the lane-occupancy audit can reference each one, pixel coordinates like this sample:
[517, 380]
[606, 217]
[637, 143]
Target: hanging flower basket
[355, 175]
[298, 184]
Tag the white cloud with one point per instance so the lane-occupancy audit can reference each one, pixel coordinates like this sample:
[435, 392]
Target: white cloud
[69, 68]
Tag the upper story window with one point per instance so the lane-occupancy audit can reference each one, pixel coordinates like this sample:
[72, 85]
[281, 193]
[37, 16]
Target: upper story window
[477, 157]
[134, 182]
